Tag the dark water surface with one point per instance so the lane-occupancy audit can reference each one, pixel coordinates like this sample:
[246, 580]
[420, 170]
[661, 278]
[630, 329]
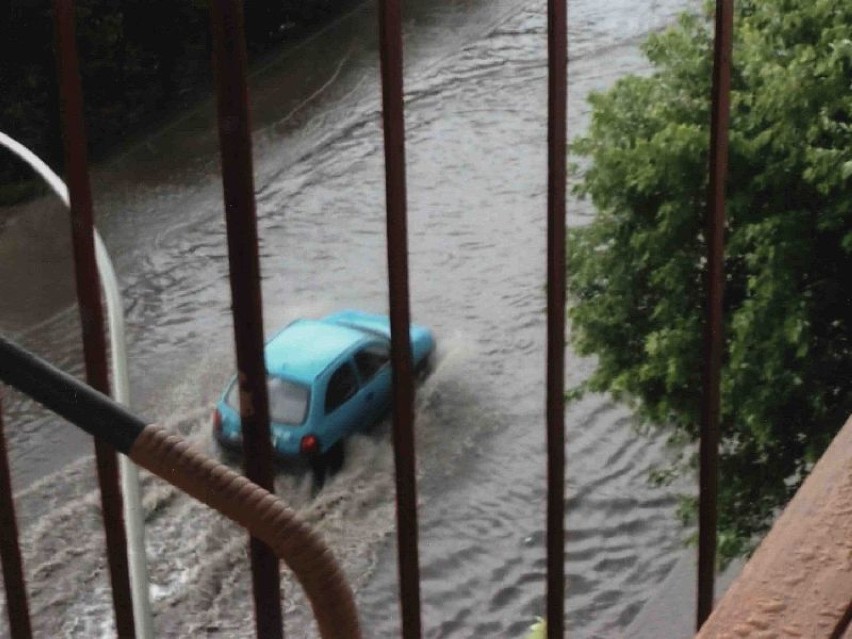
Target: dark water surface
[476, 126]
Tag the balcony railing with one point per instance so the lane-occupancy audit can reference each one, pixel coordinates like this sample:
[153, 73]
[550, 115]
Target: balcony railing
[248, 501]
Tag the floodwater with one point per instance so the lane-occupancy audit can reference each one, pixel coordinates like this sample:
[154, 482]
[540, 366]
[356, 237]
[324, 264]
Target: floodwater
[476, 133]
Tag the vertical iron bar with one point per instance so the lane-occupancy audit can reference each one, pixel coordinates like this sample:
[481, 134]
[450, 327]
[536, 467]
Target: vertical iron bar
[89, 299]
[557, 58]
[713, 338]
[17, 607]
[390, 42]
[229, 62]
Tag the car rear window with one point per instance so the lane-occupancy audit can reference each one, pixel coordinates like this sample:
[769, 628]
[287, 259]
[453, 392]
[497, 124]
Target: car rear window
[288, 402]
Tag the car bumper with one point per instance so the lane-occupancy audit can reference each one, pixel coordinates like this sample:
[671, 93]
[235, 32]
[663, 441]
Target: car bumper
[234, 446]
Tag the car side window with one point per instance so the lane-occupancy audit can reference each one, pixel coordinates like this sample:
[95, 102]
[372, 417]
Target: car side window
[371, 359]
[342, 385]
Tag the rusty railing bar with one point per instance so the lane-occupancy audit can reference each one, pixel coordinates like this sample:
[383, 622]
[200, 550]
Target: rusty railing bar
[229, 62]
[393, 118]
[557, 81]
[89, 299]
[17, 606]
[713, 338]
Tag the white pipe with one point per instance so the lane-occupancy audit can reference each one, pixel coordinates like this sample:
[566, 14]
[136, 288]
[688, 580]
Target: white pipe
[133, 519]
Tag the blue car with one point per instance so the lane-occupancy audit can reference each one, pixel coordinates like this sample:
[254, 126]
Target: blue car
[327, 378]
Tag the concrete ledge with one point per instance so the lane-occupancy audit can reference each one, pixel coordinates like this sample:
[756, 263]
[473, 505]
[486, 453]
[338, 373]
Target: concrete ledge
[799, 581]
[670, 613]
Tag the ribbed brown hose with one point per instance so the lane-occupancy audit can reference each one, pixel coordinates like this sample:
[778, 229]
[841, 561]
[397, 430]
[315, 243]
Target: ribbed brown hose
[264, 516]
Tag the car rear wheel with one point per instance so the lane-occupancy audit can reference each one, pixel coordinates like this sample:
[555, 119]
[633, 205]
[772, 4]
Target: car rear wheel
[326, 464]
[228, 455]
[334, 458]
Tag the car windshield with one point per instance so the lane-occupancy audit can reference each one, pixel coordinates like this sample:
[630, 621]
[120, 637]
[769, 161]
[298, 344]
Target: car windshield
[288, 402]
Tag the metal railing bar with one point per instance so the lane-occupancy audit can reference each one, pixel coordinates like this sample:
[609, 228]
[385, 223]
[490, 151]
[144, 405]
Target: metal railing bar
[128, 472]
[17, 606]
[212, 483]
[229, 62]
[713, 338]
[393, 118]
[557, 58]
[91, 311]
[844, 625]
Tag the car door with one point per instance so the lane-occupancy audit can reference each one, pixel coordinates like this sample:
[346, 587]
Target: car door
[340, 404]
[373, 364]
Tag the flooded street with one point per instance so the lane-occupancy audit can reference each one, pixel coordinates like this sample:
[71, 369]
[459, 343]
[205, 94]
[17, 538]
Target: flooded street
[476, 146]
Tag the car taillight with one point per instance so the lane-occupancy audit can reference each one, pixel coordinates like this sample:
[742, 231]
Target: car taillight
[217, 420]
[309, 445]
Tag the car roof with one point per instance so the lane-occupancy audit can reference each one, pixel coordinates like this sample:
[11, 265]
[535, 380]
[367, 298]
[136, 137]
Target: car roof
[305, 348]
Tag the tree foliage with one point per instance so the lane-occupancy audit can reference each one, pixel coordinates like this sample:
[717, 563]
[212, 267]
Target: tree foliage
[636, 273]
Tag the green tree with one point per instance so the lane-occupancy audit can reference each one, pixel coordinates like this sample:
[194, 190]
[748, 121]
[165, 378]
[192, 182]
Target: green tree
[636, 272]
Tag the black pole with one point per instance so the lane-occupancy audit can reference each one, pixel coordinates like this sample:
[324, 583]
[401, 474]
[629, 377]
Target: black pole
[713, 326]
[230, 65]
[90, 306]
[557, 110]
[393, 118]
[17, 605]
[68, 397]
